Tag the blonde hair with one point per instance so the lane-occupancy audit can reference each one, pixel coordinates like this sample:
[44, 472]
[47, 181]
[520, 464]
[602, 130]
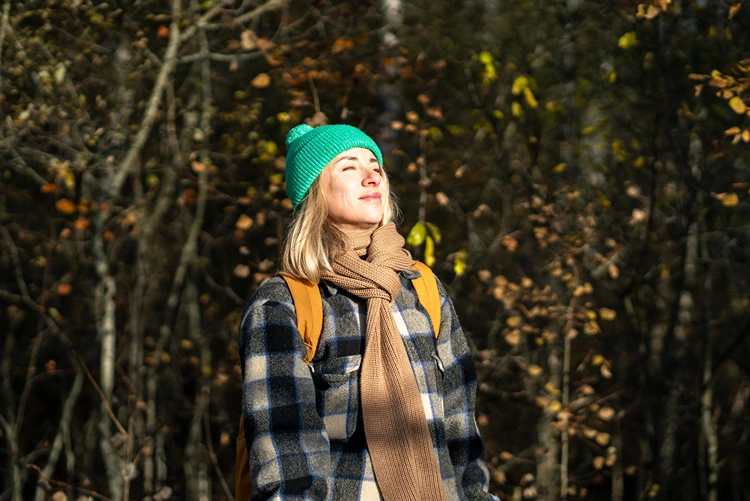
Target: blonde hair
[313, 242]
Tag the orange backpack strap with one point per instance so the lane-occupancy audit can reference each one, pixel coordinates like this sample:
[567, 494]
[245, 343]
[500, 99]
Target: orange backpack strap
[309, 307]
[428, 294]
[243, 485]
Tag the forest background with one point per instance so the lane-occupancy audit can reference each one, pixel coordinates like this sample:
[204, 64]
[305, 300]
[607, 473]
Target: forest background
[575, 172]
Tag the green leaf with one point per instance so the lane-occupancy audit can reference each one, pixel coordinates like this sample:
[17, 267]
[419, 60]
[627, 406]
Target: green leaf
[429, 252]
[416, 235]
[435, 232]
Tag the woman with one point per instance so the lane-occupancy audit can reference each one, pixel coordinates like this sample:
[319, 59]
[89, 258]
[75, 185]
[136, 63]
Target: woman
[385, 408]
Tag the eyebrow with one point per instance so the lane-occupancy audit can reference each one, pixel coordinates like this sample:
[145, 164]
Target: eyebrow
[355, 158]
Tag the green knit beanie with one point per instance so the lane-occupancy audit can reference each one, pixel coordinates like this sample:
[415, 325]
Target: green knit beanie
[311, 149]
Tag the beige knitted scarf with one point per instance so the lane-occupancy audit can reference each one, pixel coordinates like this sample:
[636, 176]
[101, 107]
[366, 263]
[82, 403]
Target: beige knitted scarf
[398, 437]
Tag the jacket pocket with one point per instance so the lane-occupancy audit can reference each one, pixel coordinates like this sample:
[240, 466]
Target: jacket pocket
[337, 387]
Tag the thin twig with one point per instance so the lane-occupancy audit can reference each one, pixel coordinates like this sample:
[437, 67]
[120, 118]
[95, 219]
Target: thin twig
[214, 459]
[57, 444]
[16, 261]
[101, 394]
[222, 58]
[65, 485]
[314, 90]
[270, 6]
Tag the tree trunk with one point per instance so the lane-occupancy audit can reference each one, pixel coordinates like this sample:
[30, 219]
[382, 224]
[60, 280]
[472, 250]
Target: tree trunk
[547, 463]
[708, 425]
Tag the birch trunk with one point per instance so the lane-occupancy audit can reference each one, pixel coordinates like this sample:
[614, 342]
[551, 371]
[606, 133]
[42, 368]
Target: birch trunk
[547, 463]
[708, 425]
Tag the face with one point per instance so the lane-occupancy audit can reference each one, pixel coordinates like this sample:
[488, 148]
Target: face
[354, 189]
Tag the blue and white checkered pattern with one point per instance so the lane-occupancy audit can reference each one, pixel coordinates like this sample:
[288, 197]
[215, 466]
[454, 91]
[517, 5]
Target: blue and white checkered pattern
[303, 427]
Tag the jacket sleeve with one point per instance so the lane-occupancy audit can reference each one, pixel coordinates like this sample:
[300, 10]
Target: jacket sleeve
[465, 446]
[288, 449]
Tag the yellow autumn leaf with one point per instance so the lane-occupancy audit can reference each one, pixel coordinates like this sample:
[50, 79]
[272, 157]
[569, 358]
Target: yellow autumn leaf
[244, 222]
[535, 370]
[459, 265]
[513, 338]
[598, 461]
[550, 388]
[628, 40]
[261, 81]
[649, 12]
[559, 167]
[738, 105]
[554, 406]
[588, 130]
[639, 162]
[591, 328]
[730, 200]
[602, 438]
[516, 109]
[530, 99]
[607, 314]
[614, 271]
[606, 413]
[513, 322]
[519, 84]
[589, 432]
[597, 360]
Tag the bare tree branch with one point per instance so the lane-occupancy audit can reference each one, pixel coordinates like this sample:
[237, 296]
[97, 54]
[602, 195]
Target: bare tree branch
[10, 436]
[17, 267]
[63, 485]
[101, 394]
[225, 58]
[57, 444]
[152, 109]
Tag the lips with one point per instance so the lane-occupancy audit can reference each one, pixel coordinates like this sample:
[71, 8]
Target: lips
[371, 197]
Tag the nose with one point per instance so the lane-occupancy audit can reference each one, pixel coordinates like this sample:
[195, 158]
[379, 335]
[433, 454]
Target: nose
[372, 178]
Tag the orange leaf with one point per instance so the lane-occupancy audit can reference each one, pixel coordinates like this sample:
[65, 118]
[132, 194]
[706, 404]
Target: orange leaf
[163, 31]
[64, 289]
[82, 223]
[48, 188]
[50, 365]
[341, 45]
[734, 9]
[731, 132]
[65, 206]
[108, 235]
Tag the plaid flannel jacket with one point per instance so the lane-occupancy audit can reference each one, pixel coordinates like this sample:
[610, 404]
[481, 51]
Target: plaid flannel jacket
[303, 427]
